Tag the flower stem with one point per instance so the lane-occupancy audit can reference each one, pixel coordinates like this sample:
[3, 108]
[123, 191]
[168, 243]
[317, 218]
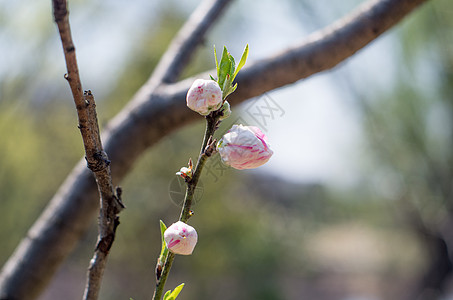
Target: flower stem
[211, 126]
[211, 122]
[161, 282]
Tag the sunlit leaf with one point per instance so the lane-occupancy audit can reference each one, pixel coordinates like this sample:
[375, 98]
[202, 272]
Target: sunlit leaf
[226, 84]
[245, 54]
[232, 65]
[216, 63]
[224, 68]
[234, 88]
[164, 249]
[172, 295]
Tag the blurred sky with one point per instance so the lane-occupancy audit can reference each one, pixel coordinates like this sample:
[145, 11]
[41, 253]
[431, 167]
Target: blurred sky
[316, 135]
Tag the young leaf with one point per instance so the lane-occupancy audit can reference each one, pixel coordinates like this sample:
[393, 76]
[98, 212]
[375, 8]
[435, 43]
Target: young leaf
[224, 67]
[245, 54]
[164, 249]
[163, 227]
[174, 294]
[230, 90]
[235, 86]
[232, 65]
[226, 85]
[167, 295]
[216, 63]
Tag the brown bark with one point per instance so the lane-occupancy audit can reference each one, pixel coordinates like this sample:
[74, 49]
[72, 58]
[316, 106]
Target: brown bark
[97, 159]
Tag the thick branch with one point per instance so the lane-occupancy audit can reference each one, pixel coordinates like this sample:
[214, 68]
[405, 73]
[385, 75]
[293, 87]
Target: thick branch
[156, 112]
[188, 38]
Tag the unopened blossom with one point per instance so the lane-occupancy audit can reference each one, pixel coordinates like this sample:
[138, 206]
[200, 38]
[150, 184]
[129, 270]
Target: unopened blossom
[181, 238]
[185, 172]
[244, 147]
[204, 96]
[226, 111]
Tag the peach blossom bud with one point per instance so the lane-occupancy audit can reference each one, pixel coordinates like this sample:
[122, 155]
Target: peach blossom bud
[244, 147]
[181, 238]
[204, 96]
[185, 172]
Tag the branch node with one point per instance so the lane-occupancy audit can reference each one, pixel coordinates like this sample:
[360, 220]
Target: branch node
[105, 243]
[70, 48]
[119, 205]
[158, 272]
[98, 162]
[211, 147]
[87, 95]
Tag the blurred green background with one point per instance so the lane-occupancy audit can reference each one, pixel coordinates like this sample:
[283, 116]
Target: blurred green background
[355, 204]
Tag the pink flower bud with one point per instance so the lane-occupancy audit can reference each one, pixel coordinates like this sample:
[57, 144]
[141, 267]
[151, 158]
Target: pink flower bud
[244, 147]
[181, 238]
[204, 96]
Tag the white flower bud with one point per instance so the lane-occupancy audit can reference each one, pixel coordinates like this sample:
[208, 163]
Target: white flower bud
[244, 147]
[204, 96]
[181, 238]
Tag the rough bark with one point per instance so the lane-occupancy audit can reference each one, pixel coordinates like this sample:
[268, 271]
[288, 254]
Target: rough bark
[97, 159]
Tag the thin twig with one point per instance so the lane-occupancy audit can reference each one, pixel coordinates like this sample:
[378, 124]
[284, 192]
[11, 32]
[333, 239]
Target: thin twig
[156, 112]
[97, 160]
[164, 276]
[211, 122]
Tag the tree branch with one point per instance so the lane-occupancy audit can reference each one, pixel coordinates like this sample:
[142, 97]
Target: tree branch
[156, 111]
[188, 38]
[97, 159]
[207, 147]
[110, 206]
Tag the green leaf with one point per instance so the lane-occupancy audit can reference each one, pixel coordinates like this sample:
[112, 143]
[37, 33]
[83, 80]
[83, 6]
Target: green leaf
[212, 78]
[167, 295]
[174, 294]
[232, 64]
[226, 85]
[216, 63]
[230, 90]
[163, 227]
[177, 290]
[224, 68]
[234, 88]
[245, 54]
[164, 250]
